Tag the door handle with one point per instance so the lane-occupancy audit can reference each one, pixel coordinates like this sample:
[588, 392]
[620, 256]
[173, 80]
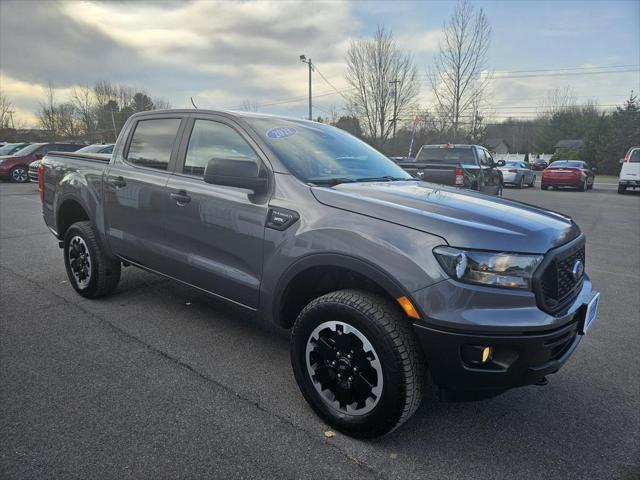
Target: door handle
[118, 182]
[180, 197]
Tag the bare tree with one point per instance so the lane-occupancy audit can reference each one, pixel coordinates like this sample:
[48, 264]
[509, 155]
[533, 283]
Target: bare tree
[372, 66]
[457, 78]
[558, 100]
[68, 122]
[83, 101]
[47, 114]
[6, 111]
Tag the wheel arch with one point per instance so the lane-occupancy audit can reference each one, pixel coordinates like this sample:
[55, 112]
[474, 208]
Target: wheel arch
[70, 211]
[317, 274]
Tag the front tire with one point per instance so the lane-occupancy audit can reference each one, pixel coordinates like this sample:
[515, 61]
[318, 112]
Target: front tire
[357, 362]
[19, 174]
[622, 189]
[91, 272]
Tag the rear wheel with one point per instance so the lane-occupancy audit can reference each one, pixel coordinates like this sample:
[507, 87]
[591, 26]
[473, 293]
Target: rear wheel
[91, 272]
[583, 187]
[19, 174]
[357, 362]
[521, 182]
[533, 181]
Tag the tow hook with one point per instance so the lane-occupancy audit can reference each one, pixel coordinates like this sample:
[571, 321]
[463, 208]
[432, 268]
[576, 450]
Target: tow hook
[542, 382]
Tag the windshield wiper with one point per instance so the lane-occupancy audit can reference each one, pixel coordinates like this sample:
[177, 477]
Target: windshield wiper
[328, 181]
[386, 178]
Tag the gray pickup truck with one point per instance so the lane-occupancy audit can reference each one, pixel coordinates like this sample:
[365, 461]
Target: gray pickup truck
[380, 276]
[463, 166]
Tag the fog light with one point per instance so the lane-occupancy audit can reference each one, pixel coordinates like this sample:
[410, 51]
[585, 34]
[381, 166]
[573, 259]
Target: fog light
[476, 355]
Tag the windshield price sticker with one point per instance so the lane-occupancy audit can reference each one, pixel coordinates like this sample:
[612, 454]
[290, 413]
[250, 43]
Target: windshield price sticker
[281, 132]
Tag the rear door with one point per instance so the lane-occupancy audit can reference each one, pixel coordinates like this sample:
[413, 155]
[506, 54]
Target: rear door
[135, 195]
[215, 233]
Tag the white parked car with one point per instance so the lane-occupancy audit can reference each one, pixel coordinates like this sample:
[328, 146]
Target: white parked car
[630, 172]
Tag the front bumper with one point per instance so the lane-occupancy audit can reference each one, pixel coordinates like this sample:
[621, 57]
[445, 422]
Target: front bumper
[527, 344]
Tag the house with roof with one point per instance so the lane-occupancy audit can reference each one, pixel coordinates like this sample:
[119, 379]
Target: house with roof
[497, 145]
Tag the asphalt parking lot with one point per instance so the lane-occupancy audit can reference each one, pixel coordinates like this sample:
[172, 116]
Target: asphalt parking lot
[159, 381]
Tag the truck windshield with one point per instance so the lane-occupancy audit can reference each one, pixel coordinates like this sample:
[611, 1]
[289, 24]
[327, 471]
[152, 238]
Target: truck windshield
[449, 155]
[324, 155]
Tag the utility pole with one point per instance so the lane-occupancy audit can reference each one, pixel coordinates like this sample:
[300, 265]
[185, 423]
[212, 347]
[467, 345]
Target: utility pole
[395, 111]
[113, 120]
[303, 59]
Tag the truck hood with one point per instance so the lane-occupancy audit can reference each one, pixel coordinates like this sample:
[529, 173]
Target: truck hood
[463, 218]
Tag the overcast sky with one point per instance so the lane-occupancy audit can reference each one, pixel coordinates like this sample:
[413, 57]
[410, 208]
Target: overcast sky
[223, 53]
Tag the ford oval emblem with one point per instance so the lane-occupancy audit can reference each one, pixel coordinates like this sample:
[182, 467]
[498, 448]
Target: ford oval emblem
[577, 270]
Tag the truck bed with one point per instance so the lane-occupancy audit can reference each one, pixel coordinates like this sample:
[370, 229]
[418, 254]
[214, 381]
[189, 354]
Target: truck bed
[441, 173]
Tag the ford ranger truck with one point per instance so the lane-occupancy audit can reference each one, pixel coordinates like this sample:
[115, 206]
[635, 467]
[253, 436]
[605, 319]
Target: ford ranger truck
[381, 277]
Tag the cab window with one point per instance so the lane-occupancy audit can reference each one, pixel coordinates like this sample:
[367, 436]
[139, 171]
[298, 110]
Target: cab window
[152, 143]
[210, 139]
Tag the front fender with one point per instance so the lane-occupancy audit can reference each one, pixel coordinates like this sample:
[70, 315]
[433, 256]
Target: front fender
[399, 259]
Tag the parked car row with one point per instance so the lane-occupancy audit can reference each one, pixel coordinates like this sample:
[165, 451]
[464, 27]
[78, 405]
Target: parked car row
[15, 158]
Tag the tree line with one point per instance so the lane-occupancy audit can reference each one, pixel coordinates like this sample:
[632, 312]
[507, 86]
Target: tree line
[87, 114]
[381, 102]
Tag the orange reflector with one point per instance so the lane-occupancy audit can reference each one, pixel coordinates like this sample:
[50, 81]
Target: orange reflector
[408, 308]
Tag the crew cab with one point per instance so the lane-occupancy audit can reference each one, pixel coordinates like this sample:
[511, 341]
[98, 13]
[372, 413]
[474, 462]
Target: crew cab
[465, 166]
[380, 276]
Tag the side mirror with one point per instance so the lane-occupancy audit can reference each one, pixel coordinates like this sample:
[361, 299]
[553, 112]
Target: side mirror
[39, 156]
[235, 173]
[501, 163]
[621, 160]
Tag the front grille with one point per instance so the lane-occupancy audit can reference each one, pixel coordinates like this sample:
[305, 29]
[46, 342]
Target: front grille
[556, 285]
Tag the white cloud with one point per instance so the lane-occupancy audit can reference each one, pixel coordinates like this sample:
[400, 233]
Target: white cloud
[421, 42]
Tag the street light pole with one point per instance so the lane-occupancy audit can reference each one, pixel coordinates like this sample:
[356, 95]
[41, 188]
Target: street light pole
[303, 59]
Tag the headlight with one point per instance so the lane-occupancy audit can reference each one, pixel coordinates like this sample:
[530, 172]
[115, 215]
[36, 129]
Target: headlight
[508, 270]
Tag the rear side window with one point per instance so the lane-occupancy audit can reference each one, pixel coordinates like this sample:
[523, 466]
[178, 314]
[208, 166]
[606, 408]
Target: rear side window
[211, 139]
[446, 155]
[635, 156]
[152, 142]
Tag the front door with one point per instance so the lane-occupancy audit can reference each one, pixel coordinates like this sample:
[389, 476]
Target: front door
[490, 174]
[135, 194]
[215, 233]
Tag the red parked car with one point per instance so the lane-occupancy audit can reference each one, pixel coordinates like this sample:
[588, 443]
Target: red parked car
[568, 173]
[539, 164]
[16, 167]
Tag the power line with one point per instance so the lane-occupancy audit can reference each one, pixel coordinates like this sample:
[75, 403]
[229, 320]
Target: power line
[507, 77]
[331, 84]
